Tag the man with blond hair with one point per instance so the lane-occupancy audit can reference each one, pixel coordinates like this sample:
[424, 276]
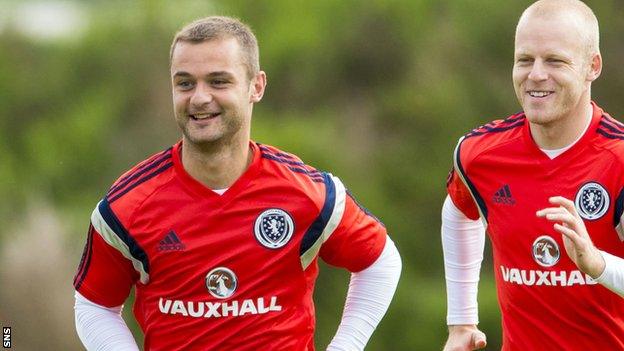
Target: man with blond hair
[543, 181]
[220, 235]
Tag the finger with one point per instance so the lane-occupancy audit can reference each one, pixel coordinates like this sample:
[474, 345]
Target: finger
[550, 210]
[571, 222]
[576, 239]
[478, 340]
[565, 203]
[566, 218]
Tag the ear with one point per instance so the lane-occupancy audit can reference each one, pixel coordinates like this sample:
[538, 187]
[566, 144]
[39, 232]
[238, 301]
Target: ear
[258, 84]
[595, 67]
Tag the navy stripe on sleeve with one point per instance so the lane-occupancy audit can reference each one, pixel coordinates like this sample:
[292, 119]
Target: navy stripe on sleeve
[619, 208]
[316, 228]
[85, 261]
[113, 222]
[471, 187]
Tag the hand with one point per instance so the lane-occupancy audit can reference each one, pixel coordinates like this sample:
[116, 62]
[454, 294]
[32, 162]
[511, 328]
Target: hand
[464, 338]
[578, 244]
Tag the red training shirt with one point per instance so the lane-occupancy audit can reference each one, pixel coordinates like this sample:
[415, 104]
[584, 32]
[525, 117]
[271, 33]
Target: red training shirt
[502, 176]
[224, 272]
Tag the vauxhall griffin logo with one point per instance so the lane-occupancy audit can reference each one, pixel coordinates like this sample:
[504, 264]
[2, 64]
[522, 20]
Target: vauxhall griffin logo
[274, 228]
[546, 251]
[592, 201]
[221, 282]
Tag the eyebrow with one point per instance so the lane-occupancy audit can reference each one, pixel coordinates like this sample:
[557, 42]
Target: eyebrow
[557, 55]
[209, 75]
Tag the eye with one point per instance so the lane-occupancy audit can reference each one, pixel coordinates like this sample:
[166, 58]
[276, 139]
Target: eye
[218, 82]
[554, 60]
[184, 84]
[523, 60]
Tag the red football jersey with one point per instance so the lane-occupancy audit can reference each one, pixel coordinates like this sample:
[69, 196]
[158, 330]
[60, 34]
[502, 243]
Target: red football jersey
[224, 272]
[502, 176]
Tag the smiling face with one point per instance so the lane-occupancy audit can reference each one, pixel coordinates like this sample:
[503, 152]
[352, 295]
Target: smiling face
[213, 95]
[553, 67]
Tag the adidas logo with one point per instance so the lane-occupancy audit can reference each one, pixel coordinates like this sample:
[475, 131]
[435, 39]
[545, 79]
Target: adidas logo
[171, 242]
[503, 196]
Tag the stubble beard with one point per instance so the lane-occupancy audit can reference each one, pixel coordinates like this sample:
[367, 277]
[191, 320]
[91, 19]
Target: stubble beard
[212, 137]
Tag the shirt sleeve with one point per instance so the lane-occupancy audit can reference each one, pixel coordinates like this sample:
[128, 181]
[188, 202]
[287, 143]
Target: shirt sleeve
[104, 275]
[357, 241]
[460, 195]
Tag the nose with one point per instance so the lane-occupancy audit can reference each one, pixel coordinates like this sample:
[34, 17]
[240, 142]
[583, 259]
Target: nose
[201, 96]
[538, 71]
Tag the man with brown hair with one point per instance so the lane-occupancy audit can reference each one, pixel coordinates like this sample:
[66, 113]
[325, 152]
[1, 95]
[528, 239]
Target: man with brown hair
[508, 173]
[220, 235]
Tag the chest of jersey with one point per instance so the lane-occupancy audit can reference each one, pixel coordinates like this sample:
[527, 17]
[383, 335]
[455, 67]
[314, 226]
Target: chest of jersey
[513, 187]
[534, 274]
[232, 246]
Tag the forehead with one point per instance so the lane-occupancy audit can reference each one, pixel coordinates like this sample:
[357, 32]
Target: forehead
[559, 34]
[223, 54]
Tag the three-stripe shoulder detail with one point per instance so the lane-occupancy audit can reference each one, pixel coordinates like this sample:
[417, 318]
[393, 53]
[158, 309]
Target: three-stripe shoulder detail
[142, 173]
[511, 122]
[610, 128]
[291, 162]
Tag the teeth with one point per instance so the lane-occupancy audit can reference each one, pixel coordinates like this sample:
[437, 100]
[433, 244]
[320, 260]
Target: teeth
[204, 115]
[539, 93]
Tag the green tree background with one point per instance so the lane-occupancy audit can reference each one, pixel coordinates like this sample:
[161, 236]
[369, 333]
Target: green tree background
[376, 91]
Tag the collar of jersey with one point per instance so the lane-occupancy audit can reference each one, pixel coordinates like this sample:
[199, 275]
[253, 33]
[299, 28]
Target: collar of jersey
[589, 134]
[194, 186]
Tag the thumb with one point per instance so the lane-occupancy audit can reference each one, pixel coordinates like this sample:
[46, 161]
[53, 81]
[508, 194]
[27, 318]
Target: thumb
[478, 340]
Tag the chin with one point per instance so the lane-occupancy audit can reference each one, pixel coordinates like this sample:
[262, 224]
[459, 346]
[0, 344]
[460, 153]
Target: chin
[202, 139]
[207, 140]
[541, 117]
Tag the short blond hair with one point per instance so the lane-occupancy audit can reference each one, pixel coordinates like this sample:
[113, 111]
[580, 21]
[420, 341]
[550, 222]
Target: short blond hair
[219, 27]
[575, 10]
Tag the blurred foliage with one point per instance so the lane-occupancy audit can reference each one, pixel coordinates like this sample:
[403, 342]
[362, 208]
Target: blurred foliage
[377, 92]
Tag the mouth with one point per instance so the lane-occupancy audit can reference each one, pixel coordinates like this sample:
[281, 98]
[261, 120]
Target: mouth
[204, 116]
[540, 94]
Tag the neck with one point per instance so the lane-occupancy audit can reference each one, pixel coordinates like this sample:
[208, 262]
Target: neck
[216, 166]
[564, 131]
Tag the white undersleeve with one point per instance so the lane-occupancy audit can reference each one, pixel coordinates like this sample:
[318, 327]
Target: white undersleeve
[102, 328]
[368, 298]
[613, 275]
[463, 242]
